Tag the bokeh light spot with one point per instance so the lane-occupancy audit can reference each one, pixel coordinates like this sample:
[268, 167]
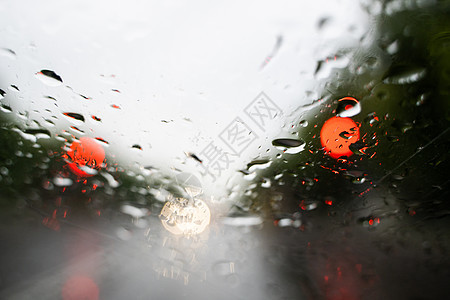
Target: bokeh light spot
[337, 134]
[85, 154]
[80, 287]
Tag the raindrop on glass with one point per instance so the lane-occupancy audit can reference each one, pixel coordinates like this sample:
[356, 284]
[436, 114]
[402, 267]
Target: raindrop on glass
[49, 78]
[13, 88]
[61, 181]
[8, 53]
[348, 107]
[39, 133]
[258, 164]
[303, 123]
[290, 146]
[5, 108]
[405, 75]
[74, 116]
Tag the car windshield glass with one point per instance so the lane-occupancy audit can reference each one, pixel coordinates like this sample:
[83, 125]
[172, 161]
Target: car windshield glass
[235, 150]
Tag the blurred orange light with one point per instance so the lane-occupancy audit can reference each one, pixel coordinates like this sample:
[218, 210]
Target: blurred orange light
[337, 134]
[85, 153]
[80, 287]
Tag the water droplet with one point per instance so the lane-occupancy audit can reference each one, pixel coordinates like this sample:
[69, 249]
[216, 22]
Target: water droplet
[4, 171]
[13, 88]
[50, 97]
[392, 48]
[49, 78]
[345, 135]
[2, 94]
[74, 116]
[8, 53]
[358, 180]
[404, 75]
[308, 205]
[111, 181]
[85, 97]
[76, 129]
[243, 221]
[5, 108]
[348, 107]
[422, 99]
[286, 222]
[322, 22]
[403, 126]
[258, 164]
[398, 177]
[47, 185]
[194, 156]
[61, 181]
[96, 118]
[358, 148]
[49, 122]
[115, 106]
[39, 133]
[288, 143]
[249, 176]
[33, 134]
[290, 146]
[102, 140]
[371, 119]
[266, 183]
[133, 211]
[136, 146]
[303, 123]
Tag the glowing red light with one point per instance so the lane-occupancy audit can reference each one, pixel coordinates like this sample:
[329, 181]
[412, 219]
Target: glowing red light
[337, 134]
[328, 202]
[51, 223]
[370, 222]
[80, 287]
[85, 153]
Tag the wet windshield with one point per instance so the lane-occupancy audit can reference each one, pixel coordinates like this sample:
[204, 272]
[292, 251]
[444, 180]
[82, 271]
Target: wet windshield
[238, 150]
